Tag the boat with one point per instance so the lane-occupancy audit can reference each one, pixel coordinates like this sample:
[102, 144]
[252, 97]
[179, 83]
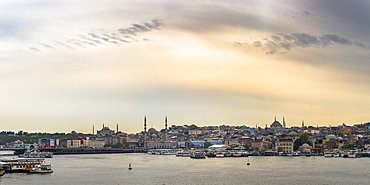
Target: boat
[220, 155]
[236, 154]
[211, 154]
[198, 155]
[43, 168]
[182, 154]
[228, 154]
[328, 154]
[296, 154]
[21, 164]
[245, 154]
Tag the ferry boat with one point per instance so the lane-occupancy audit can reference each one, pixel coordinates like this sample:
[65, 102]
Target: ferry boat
[43, 168]
[21, 164]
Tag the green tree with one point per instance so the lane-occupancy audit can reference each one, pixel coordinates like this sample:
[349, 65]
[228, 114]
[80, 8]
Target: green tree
[193, 126]
[117, 145]
[303, 138]
[247, 147]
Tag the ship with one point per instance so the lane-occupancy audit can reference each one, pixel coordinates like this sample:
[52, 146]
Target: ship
[21, 164]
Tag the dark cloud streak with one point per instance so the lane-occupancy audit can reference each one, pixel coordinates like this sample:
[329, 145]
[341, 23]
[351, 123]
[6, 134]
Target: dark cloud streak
[282, 43]
[116, 38]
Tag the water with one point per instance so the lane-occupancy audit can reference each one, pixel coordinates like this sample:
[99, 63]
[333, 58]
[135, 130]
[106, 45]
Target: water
[167, 169]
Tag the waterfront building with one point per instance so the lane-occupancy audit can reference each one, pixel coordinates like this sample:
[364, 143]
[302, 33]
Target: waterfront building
[258, 145]
[284, 145]
[82, 143]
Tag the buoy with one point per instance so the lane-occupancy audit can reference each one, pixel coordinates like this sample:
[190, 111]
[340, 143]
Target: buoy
[129, 167]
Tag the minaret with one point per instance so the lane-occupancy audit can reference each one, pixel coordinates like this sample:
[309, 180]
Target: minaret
[145, 124]
[165, 127]
[144, 132]
[117, 129]
[284, 122]
[302, 125]
[93, 130]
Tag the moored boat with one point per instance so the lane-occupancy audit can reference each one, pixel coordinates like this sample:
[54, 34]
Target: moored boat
[198, 155]
[328, 154]
[43, 168]
[21, 164]
[182, 154]
[220, 155]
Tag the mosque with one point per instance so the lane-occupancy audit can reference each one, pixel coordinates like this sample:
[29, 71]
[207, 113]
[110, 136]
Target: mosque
[276, 125]
[152, 139]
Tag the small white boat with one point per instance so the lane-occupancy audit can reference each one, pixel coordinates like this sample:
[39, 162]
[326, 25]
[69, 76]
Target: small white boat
[220, 155]
[328, 155]
[44, 168]
[182, 154]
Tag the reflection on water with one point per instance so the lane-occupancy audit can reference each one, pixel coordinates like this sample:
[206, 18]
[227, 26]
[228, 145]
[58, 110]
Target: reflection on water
[165, 169]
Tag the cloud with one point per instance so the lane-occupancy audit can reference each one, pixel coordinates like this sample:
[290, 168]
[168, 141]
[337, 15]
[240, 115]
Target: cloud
[64, 45]
[282, 43]
[47, 46]
[137, 28]
[34, 49]
[96, 39]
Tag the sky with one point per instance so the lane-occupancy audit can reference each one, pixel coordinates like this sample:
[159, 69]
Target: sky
[68, 65]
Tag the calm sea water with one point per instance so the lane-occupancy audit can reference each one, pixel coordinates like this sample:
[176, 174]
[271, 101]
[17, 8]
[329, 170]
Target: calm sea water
[168, 169]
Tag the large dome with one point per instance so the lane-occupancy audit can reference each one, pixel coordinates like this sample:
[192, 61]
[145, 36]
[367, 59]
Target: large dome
[305, 145]
[276, 124]
[331, 136]
[152, 131]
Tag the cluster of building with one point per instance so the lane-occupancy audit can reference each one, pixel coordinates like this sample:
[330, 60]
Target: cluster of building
[275, 137]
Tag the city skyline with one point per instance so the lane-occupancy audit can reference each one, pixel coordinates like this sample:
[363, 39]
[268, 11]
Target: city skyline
[69, 65]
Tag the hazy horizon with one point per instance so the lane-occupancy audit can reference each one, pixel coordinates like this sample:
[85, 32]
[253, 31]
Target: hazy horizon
[68, 65]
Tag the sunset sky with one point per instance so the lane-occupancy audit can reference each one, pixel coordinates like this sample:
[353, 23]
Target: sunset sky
[68, 65]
